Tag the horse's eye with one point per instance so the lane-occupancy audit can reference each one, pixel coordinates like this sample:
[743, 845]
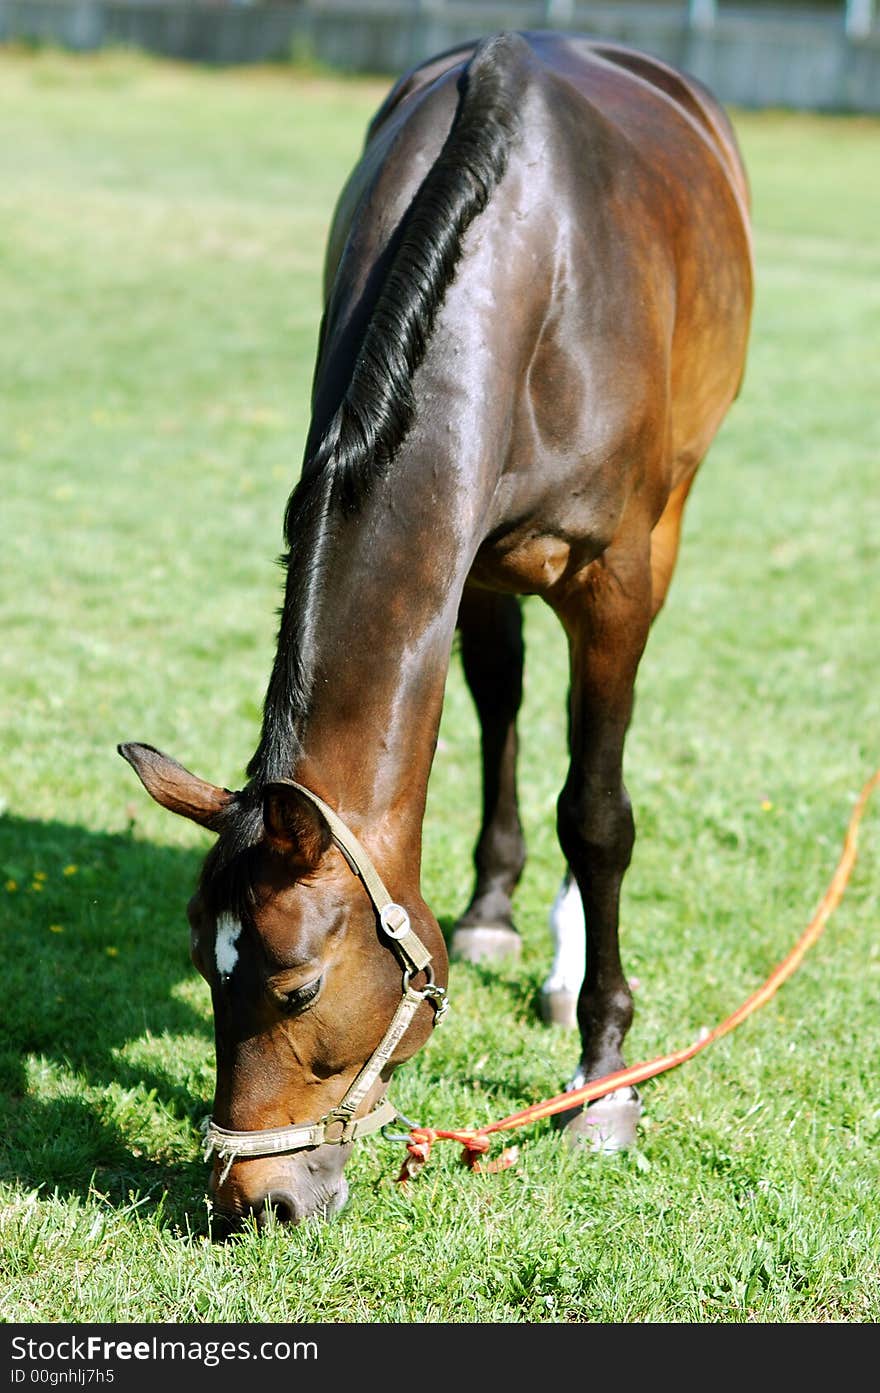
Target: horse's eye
[297, 1000]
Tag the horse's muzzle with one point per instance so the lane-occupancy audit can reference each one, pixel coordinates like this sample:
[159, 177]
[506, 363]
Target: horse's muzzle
[310, 1185]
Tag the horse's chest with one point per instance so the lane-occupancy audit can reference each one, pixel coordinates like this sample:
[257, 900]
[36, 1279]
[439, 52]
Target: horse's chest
[531, 561]
[543, 536]
[526, 565]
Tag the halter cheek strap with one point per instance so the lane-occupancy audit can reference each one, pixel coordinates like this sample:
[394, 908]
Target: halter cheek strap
[340, 1124]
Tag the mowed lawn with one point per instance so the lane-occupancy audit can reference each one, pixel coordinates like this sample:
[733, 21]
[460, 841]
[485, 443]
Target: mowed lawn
[161, 238]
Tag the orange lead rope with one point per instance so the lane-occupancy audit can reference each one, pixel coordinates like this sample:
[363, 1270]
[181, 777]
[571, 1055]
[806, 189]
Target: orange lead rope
[476, 1141]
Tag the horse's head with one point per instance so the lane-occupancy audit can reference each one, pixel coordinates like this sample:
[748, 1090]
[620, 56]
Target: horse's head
[319, 990]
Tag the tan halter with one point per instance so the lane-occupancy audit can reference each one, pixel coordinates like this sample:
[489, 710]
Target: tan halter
[340, 1124]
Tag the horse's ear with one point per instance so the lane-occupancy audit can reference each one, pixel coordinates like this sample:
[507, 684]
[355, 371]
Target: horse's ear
[175, 787]
[294, 826]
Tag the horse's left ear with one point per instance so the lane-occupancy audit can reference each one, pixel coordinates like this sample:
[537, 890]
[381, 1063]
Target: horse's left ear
[175, 787]
[294, 826]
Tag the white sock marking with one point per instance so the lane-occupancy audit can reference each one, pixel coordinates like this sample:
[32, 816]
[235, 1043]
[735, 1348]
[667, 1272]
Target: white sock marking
[569, 938]
[225, 951]
[618, 1095]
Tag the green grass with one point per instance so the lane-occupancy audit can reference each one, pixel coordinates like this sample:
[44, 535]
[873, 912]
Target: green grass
[161, 237]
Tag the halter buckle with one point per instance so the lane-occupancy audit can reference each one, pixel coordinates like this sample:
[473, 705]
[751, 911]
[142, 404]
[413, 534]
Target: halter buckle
[394, 920]
[338, 1130]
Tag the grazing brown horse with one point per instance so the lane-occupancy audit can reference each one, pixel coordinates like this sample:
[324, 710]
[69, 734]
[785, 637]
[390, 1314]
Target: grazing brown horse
[537, 301]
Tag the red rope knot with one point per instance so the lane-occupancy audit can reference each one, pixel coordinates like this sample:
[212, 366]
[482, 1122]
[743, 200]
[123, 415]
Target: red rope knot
[508, 1158]
[475, 1146]
[418, 1150]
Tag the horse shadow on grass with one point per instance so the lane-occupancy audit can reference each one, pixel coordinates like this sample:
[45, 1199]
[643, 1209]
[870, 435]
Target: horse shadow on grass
[106, 1042]
[102, 1035]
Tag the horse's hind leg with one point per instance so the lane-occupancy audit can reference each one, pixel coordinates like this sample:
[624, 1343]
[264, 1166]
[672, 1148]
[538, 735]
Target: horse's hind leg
[606, 612]
[559, 991]
[492, 657]
[665, 540]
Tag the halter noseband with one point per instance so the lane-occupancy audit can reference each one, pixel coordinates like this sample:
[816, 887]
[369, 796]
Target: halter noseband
[340, 1124]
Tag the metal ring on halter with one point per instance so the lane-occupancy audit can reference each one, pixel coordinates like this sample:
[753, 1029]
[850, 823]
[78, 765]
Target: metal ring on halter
[426, 989]
[399, 1136]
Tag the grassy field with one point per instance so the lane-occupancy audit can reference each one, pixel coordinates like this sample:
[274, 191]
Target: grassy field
[161, 237]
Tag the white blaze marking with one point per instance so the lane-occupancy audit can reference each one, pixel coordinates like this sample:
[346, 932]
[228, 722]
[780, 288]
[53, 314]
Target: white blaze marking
[569, 938]
[225, 951]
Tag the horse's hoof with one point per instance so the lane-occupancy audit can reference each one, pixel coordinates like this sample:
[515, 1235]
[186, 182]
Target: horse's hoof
[484, 943]
[559, 1008]
[607, 1125]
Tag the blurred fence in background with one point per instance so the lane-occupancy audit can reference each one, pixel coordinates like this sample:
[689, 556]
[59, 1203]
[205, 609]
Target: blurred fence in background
[819, 56]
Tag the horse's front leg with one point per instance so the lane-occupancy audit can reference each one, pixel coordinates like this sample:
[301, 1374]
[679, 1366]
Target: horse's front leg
[606, 612]
[492, 657]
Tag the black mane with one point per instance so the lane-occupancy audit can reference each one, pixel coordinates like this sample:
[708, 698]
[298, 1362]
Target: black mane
[378, 405]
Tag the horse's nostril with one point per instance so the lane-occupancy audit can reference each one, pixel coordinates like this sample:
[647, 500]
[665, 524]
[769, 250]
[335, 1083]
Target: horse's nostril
[277, 1207]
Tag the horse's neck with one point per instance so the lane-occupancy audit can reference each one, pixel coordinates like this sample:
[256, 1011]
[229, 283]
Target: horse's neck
[388, 577]
[384, 614]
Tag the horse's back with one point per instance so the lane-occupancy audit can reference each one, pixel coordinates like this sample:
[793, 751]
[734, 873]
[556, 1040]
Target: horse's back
[590, 65]
[607, 286]
[611, 138]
